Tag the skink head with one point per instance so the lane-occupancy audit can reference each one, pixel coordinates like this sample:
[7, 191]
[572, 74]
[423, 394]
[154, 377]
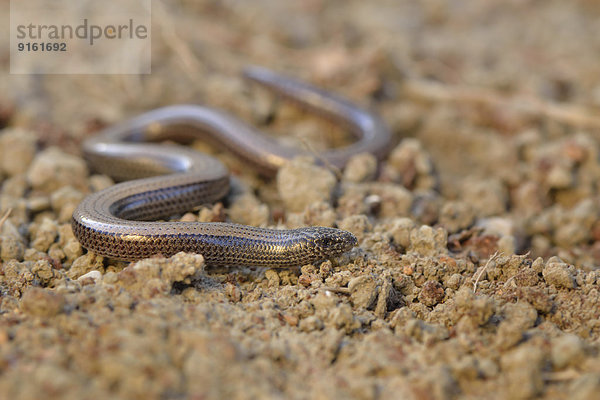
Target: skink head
[330, 242]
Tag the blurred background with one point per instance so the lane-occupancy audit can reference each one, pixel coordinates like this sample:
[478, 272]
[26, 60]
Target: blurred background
[506, 92]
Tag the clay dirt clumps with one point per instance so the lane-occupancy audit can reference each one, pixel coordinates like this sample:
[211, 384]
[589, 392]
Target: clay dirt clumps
[476, 273]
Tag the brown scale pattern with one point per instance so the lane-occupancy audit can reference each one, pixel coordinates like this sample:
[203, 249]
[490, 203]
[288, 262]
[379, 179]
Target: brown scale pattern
[223, 245]
[113, 223]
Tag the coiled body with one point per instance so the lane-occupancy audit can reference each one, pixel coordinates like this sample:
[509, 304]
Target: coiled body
[115, 222]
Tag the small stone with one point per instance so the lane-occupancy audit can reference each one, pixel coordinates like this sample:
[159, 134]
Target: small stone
[301, 183]
[361, 168]
[428, 242]
[527, 277]
[38, 204]
[363, 291]
[437, 382]
[479, 308]
[496, 226]
[538, 298]
[180, 267]
[17, 149]
[358, 224]
[353, 199]
[246, 209]
[40, 302]
[424, 332]
[43, 270]
[523, 367]
[488, 367]
[567, 350]
[68, 242]
[52, 169]
[570, 234]
[91, 277]
[521, 314]
[44, 235]
[311, 323]
[456, 216]
[110, 277]
[396, 201]
[538, 265]
[342, 317]
[410, 165]
[487, 197]
[508, 334]
[323, 302]
[15, 186]
[558, 274]
[431, 293]
[100, 182]
[233, 292]
[453, 281]
[273, 278]
[466, 368]
[388, 300]
[64, 201]
[11, 248]
[154, 277]
[560, 176]
[400, 230]
[400, 317]
[316, 214]
[84, 264]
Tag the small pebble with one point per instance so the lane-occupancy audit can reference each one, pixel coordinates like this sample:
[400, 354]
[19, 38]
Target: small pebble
[311, 323]
[52, 169]
[361, 168]
[17, 149]
[363, 291]
[301, 183]
[400, 230]
[246, 209]
[44, 272]
[411, 166]
[40, 302]
[487, 197]
[431, 293]
[15, 186]
[396, 201]
[84, 264]
[44, 234]
[523, 367]
[558, 274]
[567, 350]
[428, 241]
[358, 224]
[93, 276]
[11, 247]
[64, 201]
[456, 215]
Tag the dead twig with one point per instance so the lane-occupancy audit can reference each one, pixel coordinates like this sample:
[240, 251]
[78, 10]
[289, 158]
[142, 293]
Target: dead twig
[5, 217]
[482, 270]
[569, 114]
[561, 376]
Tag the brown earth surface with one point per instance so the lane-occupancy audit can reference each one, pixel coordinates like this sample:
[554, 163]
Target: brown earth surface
[476, 274]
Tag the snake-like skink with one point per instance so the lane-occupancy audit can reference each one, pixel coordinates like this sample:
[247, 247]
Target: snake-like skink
[118, 222]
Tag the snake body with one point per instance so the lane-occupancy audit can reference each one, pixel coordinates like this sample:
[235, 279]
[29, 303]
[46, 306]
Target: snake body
[118, 222]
